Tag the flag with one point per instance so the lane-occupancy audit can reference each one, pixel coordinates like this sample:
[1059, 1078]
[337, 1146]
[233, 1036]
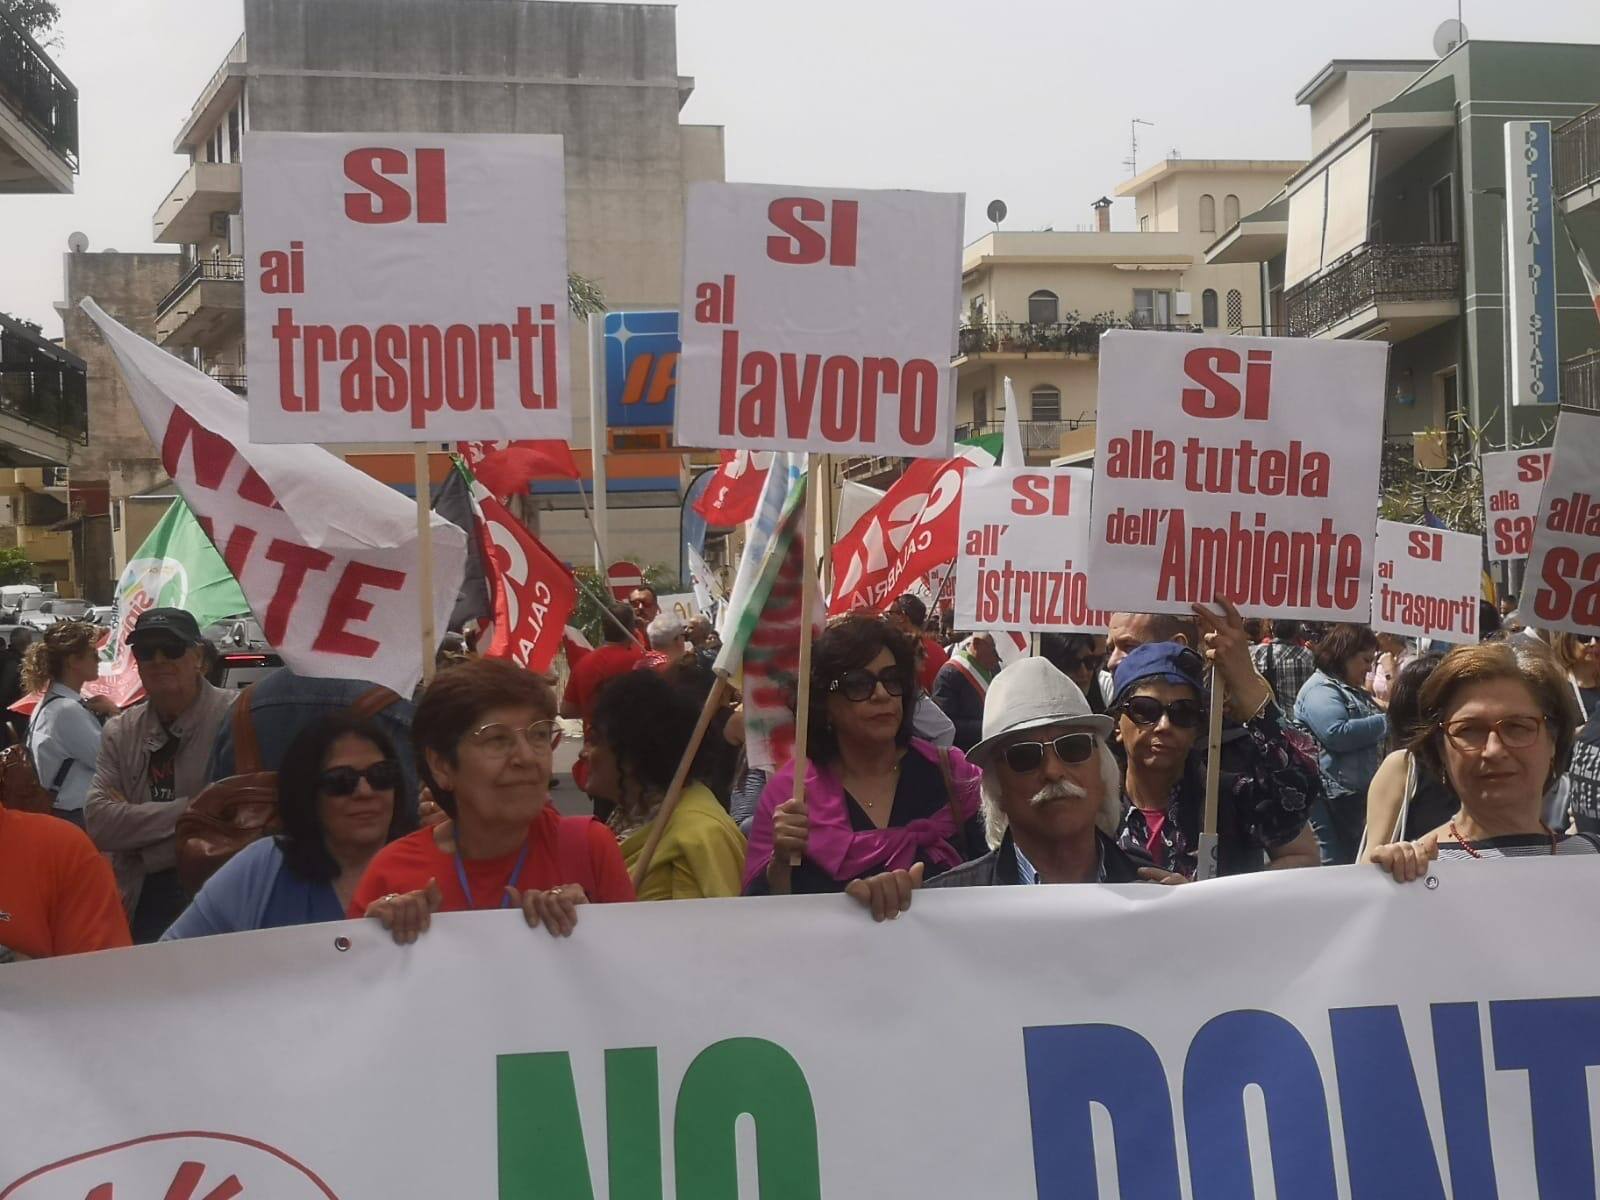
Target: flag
[506, 468]
[735, 489]
[708, 594]
[779, 483]
[1012, 455]
[327, 556]
[454, 503]
[531, 591]
[1589, 277]
[913, 530]
[574, 645]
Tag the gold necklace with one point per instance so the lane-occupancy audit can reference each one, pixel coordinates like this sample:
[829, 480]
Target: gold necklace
[894, 773]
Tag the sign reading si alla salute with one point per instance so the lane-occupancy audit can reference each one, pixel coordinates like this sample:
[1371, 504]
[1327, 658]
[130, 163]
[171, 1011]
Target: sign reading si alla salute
[1564, 563]
[1513, 481]
[819, 320]
[1024, 551]
[1426, 583]
[404, 287]
[1245, 467]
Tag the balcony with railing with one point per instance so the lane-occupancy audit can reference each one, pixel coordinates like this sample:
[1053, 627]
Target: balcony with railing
[1580, 381]
[44, 398]
[1575, 147]
[38, 117]
[206, 307]
[1064, 338]
[1407, 289]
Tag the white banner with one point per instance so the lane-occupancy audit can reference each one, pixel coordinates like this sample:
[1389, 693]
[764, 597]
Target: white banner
[1531, 263]
[405, 287]
[1564, 563]
[1427, 582]
[1327, 1030]
[1025, 550]
[819, 319]
[1238, 466]
[1512, 483]
[325, 554]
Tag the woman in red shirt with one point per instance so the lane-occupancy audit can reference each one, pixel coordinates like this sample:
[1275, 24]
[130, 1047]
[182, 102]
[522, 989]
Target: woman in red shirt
[484, 733]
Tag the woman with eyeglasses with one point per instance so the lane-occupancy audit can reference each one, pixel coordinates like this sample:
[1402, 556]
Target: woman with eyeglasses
[1342, 715]
[485, 732]
[341, 799]
[876, 798]
[1498, 725]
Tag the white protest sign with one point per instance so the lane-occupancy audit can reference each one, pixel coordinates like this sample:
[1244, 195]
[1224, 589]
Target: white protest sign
[1345, 1045]
[1427, 582]
[1512, 483]
[682, 605]
[405, 287]
[325, 554]
[1025, 551]
[819, 319]
[1564, 563]
[1245, 467]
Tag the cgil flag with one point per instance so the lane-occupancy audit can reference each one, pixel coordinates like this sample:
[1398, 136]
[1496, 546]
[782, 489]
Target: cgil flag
[506, 468]
[912, 531]
[735, 489]
[531, 592]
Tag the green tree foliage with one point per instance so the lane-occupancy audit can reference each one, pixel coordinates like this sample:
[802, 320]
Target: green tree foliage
[592, 586]
[38, 19]
[15, 567]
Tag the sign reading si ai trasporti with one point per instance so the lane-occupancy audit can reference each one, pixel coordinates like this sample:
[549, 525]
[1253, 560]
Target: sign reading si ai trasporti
[1244, 467]
[1024, 551]
[1426, 582]
[819, 320]
[404, 287]
[1564, 562]
[1512, 483]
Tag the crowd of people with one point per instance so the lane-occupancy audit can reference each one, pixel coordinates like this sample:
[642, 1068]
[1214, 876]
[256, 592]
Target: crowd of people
[931, 763]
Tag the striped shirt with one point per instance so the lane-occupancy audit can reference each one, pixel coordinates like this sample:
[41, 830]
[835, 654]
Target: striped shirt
[1522, 845]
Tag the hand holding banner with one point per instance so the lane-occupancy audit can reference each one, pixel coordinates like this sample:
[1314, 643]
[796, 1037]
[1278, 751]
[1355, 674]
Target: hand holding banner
[1426, 582]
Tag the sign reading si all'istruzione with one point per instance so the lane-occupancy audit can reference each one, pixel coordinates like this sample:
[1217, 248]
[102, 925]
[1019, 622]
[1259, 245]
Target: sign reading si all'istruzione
[1244, 467]
[404, 287]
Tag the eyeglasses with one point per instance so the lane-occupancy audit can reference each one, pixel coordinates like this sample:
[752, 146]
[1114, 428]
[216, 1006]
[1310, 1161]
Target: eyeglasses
[1023, 757]
[1147, 710]
[149, 651]
[499, 740]
[381, 776]
[860, 684]
[1515, 733]
[1089, 662]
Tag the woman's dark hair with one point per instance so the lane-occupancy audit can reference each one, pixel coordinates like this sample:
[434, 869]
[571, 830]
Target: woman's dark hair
[1285, 631]
[646, 723]
[1339, 645]
[848, 645]
[1405, 699]
[454, 704]
[305, 850]
[717, 761]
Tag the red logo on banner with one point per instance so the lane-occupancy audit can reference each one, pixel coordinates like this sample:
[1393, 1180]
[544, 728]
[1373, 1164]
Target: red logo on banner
[179, 1166]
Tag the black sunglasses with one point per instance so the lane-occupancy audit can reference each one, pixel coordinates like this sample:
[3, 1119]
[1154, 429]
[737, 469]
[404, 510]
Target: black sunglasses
[1023, 757]
[1147, 710]
[382, 776]
[859, 684]
[149, 651]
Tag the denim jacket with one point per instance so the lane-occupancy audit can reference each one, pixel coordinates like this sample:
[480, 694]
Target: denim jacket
[1350, 726]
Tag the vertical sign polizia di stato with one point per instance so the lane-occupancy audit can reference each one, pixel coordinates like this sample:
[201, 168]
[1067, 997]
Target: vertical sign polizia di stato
[1531, 263]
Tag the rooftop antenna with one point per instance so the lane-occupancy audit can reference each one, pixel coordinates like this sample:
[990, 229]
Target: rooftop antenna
[1132, 161]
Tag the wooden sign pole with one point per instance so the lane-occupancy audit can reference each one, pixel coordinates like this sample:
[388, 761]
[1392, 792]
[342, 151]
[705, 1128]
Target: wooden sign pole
[1206, 867]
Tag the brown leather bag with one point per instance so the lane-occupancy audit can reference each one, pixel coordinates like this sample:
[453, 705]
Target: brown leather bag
[20, 789]
[243, 808]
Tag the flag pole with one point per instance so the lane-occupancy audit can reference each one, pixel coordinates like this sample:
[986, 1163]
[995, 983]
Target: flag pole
[1206, 859]
[424, 487]
[802, 701]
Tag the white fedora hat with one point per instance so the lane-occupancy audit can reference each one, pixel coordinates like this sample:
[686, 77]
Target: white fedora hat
[1029, 694]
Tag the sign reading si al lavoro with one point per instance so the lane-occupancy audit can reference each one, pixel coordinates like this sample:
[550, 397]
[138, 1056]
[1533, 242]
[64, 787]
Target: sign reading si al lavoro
[1245, 467]
[1426, 583]
[821, 320]
[1512, 483]
[1024, 551]
[404, 287]
[1564, 564]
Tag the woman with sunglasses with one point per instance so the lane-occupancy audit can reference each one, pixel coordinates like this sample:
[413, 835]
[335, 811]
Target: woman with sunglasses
[1579, 656]
[1498, 725]
[1342, 715]
[341, 799]
[485, 733]
[876, 798]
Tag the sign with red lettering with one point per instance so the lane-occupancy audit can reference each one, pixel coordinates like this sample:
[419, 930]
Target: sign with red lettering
[1025, 551]
[1426, 582]
[1564, 561]
[819, 319]
[1513, 480]
[1245, 467]
[325, 554]
[405, 287]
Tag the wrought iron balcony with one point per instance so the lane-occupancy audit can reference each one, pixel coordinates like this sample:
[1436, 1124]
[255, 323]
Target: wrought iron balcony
[41, 384]
[1037, 436]
[1372, 276]
[1576, 147]
[233, 381]
[1580, 380]
[1081, 337]
[38, 92]
[222, 270]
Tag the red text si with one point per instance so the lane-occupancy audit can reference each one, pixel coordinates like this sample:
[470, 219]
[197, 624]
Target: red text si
[1531, 468]
[1218, 395]
[1425, 543]
[386, 201]
[801, 244]
[1036, 495]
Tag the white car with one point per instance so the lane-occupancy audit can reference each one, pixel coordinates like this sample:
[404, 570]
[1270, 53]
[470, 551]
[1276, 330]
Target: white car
[45, 610]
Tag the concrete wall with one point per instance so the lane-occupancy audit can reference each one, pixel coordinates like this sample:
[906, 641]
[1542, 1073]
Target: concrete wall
[1346, 103]
[1415, 375]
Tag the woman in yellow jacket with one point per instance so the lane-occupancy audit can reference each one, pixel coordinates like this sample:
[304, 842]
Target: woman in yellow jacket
[634, 739]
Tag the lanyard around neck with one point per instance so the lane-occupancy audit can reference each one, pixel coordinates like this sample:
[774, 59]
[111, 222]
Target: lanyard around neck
[511, 879]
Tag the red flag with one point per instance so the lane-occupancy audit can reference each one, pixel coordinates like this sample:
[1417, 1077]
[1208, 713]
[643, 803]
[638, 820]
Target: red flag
[505, 468]
[907, 534]
[531, 592]
[734, 491]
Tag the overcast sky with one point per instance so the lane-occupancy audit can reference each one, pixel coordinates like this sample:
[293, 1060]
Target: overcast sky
[1025, 100]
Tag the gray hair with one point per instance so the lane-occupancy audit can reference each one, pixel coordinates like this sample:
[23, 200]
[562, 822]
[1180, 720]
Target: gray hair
[1106, 820]
[665, 632]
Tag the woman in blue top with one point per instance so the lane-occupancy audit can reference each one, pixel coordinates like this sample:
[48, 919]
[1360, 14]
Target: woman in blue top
[64, 733]
[341, 798]
[1336, 706]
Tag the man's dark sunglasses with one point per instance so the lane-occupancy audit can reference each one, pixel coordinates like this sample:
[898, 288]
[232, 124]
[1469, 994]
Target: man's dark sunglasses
[149, 649]
[1147, 710]
[859, 684]
[381, 776]
[1023, 757]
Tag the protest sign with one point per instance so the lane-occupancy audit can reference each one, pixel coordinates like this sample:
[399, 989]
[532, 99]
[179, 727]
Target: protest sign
[1426, 582]
[1024, 551]
[819, 319]
[405, 287]
[1564, 561]
[683, 605]
[326, 555]
[1313, 1051]
[1512, 482]
[1244, 467]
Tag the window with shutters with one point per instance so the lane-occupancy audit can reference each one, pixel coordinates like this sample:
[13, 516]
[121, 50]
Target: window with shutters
[1235, 309]
[1046, 403]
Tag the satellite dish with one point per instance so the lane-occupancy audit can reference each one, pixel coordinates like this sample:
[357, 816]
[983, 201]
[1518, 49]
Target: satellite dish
[997, 211]
[1448, 36]
[77, 242]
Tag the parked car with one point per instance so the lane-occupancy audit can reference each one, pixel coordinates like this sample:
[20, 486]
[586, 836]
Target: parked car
[243, 654]
[11, 597]
[103, 615]
[45, 610]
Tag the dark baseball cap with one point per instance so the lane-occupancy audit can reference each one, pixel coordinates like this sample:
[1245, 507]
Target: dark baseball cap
[1170, 662]
[174, 622]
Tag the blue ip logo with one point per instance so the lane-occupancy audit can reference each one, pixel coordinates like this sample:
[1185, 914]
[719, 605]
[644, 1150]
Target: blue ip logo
[641, 350]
